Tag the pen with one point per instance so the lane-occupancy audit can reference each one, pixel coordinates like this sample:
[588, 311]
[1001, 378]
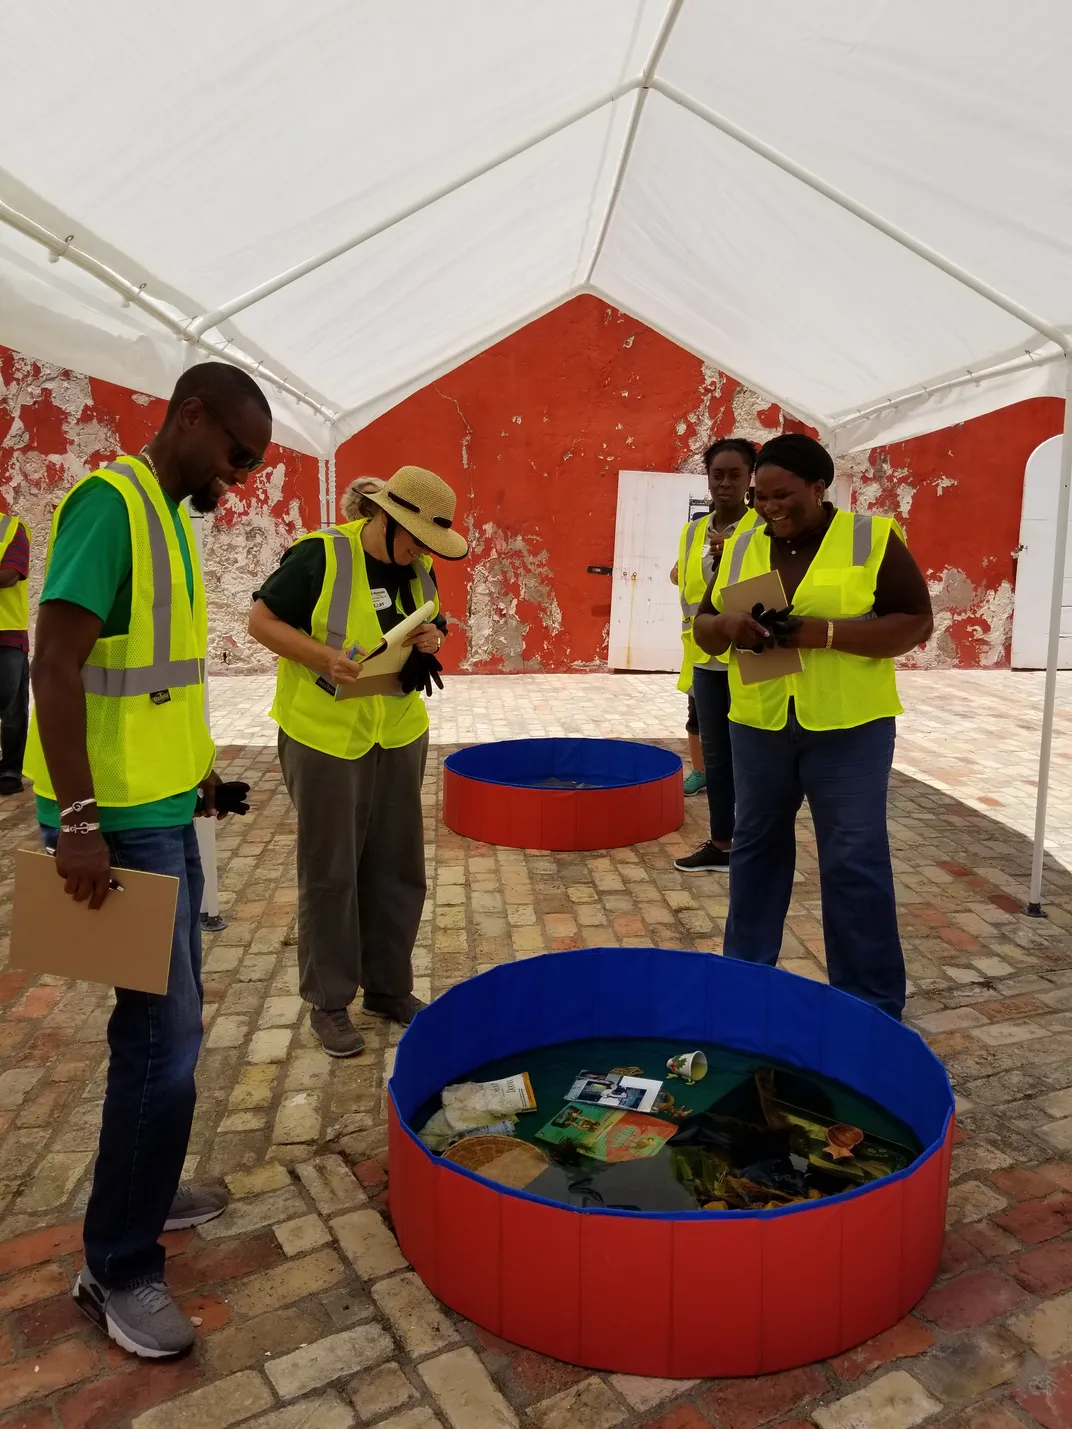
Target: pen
[365, 654]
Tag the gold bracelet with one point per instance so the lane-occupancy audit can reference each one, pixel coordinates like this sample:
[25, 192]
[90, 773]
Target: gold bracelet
[829, 634]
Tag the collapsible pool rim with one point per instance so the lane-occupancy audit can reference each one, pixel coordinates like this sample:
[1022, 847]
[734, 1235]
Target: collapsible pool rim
[563, 793]
[684, 1294]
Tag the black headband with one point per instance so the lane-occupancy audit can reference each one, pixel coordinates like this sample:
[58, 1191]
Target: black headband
[444, 521]
[801, 455]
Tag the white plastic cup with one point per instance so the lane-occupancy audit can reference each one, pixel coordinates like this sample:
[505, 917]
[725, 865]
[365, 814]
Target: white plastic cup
[689, 1066]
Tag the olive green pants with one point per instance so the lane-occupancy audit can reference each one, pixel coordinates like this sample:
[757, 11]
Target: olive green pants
[361, 881]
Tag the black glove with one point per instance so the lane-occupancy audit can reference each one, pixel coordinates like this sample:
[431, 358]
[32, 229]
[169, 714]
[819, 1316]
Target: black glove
[778, 623]
[230, 798]
[419, 671]
[758, 613]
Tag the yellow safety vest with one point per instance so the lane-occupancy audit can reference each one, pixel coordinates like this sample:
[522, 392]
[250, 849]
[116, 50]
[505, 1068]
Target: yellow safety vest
[692, 587]
[305, 706]
[14, 599]
[146, 734]
[834, 690]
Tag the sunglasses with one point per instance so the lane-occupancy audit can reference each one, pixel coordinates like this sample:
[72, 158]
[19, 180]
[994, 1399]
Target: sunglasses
[240, 457]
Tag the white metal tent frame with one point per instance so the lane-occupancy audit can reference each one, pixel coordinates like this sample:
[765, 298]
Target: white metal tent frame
[203, 332]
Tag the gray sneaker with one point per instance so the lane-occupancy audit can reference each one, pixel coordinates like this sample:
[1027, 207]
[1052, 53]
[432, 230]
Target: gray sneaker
[143, 1319]
[194, 1205]
[338, 1035]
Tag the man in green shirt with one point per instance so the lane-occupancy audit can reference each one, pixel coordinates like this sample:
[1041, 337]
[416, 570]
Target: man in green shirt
[118, 752]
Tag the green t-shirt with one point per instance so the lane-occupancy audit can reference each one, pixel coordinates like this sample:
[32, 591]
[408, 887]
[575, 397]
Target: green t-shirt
[91, 566]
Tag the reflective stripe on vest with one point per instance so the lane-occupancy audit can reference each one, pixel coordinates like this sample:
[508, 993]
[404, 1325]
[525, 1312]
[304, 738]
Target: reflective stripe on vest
[689, 608]
[343, 589]
[162, 673]
[7, 534]
[861, 546]
[833, 690]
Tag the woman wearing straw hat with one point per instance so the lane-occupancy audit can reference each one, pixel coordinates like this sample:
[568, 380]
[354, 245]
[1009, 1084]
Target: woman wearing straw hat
[354, 767]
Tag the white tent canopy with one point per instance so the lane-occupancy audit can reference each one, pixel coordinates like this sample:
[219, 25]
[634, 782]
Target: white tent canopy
[357, 194]
[860, 208]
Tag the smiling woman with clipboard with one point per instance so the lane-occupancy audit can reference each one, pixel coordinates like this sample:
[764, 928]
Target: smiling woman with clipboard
[353, 614]
[814, 717]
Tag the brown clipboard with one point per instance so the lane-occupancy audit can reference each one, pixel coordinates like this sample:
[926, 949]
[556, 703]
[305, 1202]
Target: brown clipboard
[125, 943]
[380, 673]
[768, 664]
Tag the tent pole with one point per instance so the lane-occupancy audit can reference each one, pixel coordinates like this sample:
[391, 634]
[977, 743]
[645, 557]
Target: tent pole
[1053, 649]
[200, 325]
[846, 201]
[135, 295]
[661, 40]
[205, 829]
[211, 919]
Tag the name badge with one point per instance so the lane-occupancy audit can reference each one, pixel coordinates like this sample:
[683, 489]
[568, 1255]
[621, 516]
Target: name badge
[381, 600]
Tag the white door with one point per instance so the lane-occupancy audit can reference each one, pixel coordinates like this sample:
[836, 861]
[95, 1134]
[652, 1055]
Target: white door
[645, 614]
[1034, 568]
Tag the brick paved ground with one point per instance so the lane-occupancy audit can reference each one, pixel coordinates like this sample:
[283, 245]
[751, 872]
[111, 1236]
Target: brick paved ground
[309, 1318]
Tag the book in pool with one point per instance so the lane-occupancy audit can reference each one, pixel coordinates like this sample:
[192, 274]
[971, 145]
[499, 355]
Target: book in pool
[615, 1090]
[605, 1134]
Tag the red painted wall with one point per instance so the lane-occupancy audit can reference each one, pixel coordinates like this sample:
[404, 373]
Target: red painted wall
[532, 435]
[958, 493]
[533, 432]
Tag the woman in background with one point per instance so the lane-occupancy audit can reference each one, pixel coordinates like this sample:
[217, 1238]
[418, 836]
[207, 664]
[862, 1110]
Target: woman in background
[729, 464]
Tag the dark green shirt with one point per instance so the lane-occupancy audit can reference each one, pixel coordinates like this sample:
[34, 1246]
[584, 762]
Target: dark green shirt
[92, 566]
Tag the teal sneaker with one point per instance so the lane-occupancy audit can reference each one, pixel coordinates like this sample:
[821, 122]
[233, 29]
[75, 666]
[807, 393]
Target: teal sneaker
[695, 783]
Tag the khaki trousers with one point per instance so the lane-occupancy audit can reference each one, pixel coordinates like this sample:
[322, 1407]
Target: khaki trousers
[361, 881]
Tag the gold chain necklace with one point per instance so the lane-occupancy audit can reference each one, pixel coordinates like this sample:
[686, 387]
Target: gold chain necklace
[144, 453]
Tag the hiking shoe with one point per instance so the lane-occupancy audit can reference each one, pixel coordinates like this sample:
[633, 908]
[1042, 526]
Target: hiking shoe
[707, 859]
[194, 1205]
[695, 783]
[338, 1035]
[10, 784]
[396, 1009]
[143, 1318]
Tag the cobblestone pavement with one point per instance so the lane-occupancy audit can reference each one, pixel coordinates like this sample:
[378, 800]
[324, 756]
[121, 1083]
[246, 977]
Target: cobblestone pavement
[310, 1319]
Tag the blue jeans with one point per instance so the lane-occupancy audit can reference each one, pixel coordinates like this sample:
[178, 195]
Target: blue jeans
[844, 775]
[711, 692]
[149, 1101]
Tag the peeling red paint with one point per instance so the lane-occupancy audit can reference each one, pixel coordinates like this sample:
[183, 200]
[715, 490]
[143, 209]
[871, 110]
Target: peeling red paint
[532, 435]
[55, 425]
[958, 493]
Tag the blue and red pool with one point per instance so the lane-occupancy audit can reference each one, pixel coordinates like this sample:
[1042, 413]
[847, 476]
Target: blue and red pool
[563, 793]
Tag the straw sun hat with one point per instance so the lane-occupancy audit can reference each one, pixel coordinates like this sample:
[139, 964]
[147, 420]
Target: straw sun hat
[423, 504]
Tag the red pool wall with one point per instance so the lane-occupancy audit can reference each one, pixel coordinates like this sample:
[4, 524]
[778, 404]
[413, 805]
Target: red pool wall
[562, 818]
[680, 1299]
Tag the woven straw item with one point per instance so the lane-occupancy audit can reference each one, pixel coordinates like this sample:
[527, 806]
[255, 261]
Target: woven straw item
[500, 1159]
